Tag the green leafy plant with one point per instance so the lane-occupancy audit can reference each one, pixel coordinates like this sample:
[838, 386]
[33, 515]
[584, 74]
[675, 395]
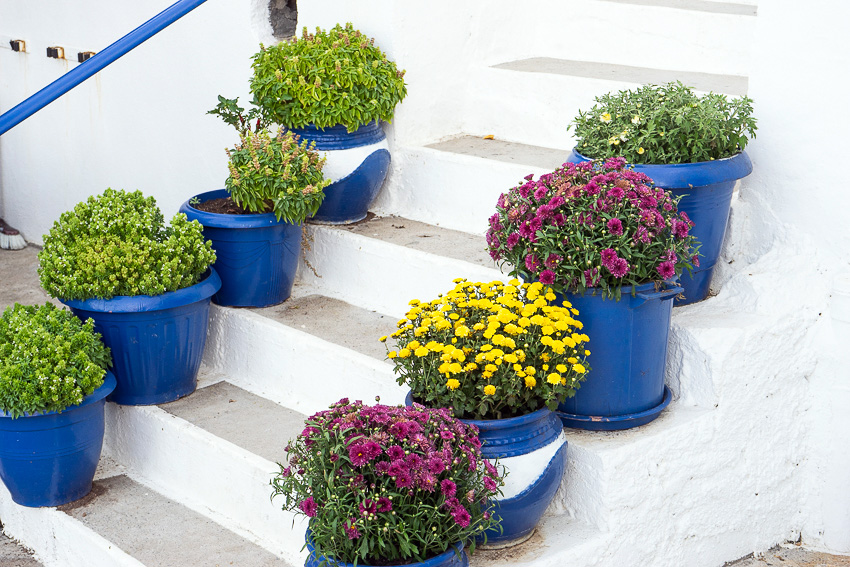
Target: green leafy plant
[327, 78]
[665, 124]
[117, 244]
[49, 359]
[280, 174]
[387, 485]
[490, 350]
[592, 225]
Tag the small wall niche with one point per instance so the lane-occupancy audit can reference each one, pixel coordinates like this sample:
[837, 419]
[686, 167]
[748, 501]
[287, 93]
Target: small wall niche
[283, 15]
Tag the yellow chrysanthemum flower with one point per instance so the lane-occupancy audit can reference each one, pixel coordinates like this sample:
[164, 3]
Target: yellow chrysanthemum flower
[554, 378]
[392, 354]
[561, 368]
[404, 353]
[421, 351]
[383, 339]
[452, 384]
[579, 368]
[530, 382]
[489, 390]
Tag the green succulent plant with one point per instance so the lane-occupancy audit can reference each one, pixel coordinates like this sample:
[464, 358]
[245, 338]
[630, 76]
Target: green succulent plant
[49, 359]
[118, 244]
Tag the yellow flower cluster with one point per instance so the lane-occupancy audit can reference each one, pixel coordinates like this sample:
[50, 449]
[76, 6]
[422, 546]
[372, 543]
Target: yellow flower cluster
[505, 341]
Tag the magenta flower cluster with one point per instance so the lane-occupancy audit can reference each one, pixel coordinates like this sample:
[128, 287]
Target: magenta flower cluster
[388, 473]
[592, 225]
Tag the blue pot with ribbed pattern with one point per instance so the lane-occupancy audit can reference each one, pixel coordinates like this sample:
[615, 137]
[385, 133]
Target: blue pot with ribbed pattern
[706, 191]
[157, 341]
[454, 556]
[533, 450]
[256, 254]
[50, 459]
[356, 163]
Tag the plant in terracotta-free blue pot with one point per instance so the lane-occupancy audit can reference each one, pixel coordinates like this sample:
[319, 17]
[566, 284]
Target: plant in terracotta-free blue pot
[334, 88]
[611, 244]
[255, 223]
[53, 383]
[690, 145]
[503, 359]
[147, 285]
[388, 485]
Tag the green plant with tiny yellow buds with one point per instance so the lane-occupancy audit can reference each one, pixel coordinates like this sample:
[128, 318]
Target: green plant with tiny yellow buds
[118, 244]
[664, 124]
[327, 78]
[49, 359]
[276, 174]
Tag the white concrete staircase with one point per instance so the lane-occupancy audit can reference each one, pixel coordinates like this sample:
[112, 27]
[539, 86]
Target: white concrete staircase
[187, 483]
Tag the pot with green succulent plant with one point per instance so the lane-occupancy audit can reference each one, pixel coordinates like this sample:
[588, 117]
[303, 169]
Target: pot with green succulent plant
[334, 88]
[147, 286]
[53, 383]
[690, 145]
[255, 223]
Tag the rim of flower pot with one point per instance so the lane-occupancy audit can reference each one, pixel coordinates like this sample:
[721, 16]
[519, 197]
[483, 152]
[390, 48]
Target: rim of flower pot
[210, 283]
[109, 384]
[223, 220]
[615, 422]
[427, 563]
[682, 175]
[337, 137]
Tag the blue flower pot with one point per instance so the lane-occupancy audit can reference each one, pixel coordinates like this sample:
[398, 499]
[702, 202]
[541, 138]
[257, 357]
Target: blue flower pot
[50, 459]
[536, 438]
[628, 345]
[357, 165]
[455, 556]
[157, 341]
[706, 191]
[256, 255]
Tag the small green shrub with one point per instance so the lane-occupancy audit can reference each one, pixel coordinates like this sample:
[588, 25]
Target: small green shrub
[49, 359]
[327, 78]
[665, 124]
[276, 174]
[117, 244]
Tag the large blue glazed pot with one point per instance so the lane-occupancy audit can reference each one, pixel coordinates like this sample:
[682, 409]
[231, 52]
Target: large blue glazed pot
[157, 341]
[50, 459]
[706, 191]
[628, 354]
[357, 165]
[256, 254]
[533, 450]
[455, 556]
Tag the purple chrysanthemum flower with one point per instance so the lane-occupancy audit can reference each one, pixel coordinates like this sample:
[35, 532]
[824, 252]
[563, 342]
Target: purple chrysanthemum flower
[461, 516]
[532, 263]
[609, 255]
[695, 260]
[309, 507]
[489, 483]
[403, 479]
[350, 530]
[547, 277]
[385, 504]
[666, 270]
[357, 454]
[368, 507]
[436, 465]
[680, 229]
[448, 487]
[513, 239]
[395, 453]
[619, 268]
[615, 226]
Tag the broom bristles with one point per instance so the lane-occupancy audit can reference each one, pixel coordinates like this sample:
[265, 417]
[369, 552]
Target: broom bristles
[10, 238]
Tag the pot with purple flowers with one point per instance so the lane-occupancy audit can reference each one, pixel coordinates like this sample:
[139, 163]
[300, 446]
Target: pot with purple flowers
[502, 359]
[611, 244]
[388, 485]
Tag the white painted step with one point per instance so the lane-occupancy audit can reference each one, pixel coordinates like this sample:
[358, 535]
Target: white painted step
[214, 452]
[534, 100]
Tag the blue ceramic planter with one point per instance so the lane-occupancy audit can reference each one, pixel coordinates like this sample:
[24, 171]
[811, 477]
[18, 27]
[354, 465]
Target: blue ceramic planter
[157, 341]
[628, 344]
[50, 459]
[357, 165]
[256, 255]
[533, 450]
[706, 191]
[455, 556]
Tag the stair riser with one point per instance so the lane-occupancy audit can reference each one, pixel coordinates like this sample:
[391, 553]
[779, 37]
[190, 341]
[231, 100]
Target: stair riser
[211, 476]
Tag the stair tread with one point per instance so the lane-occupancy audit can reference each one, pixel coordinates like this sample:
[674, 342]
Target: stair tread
[503, 150]
[247, 420]
[330, 319]
[160, 532]
[13, 554]
[424, 237]
[730, 8]
[735, 85]
[20, 278]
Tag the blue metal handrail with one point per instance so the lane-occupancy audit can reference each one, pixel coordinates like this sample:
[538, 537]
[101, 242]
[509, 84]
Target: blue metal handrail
[74, 77]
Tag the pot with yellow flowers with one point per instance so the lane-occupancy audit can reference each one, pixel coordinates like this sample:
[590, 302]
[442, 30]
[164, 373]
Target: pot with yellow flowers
[502, 358]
